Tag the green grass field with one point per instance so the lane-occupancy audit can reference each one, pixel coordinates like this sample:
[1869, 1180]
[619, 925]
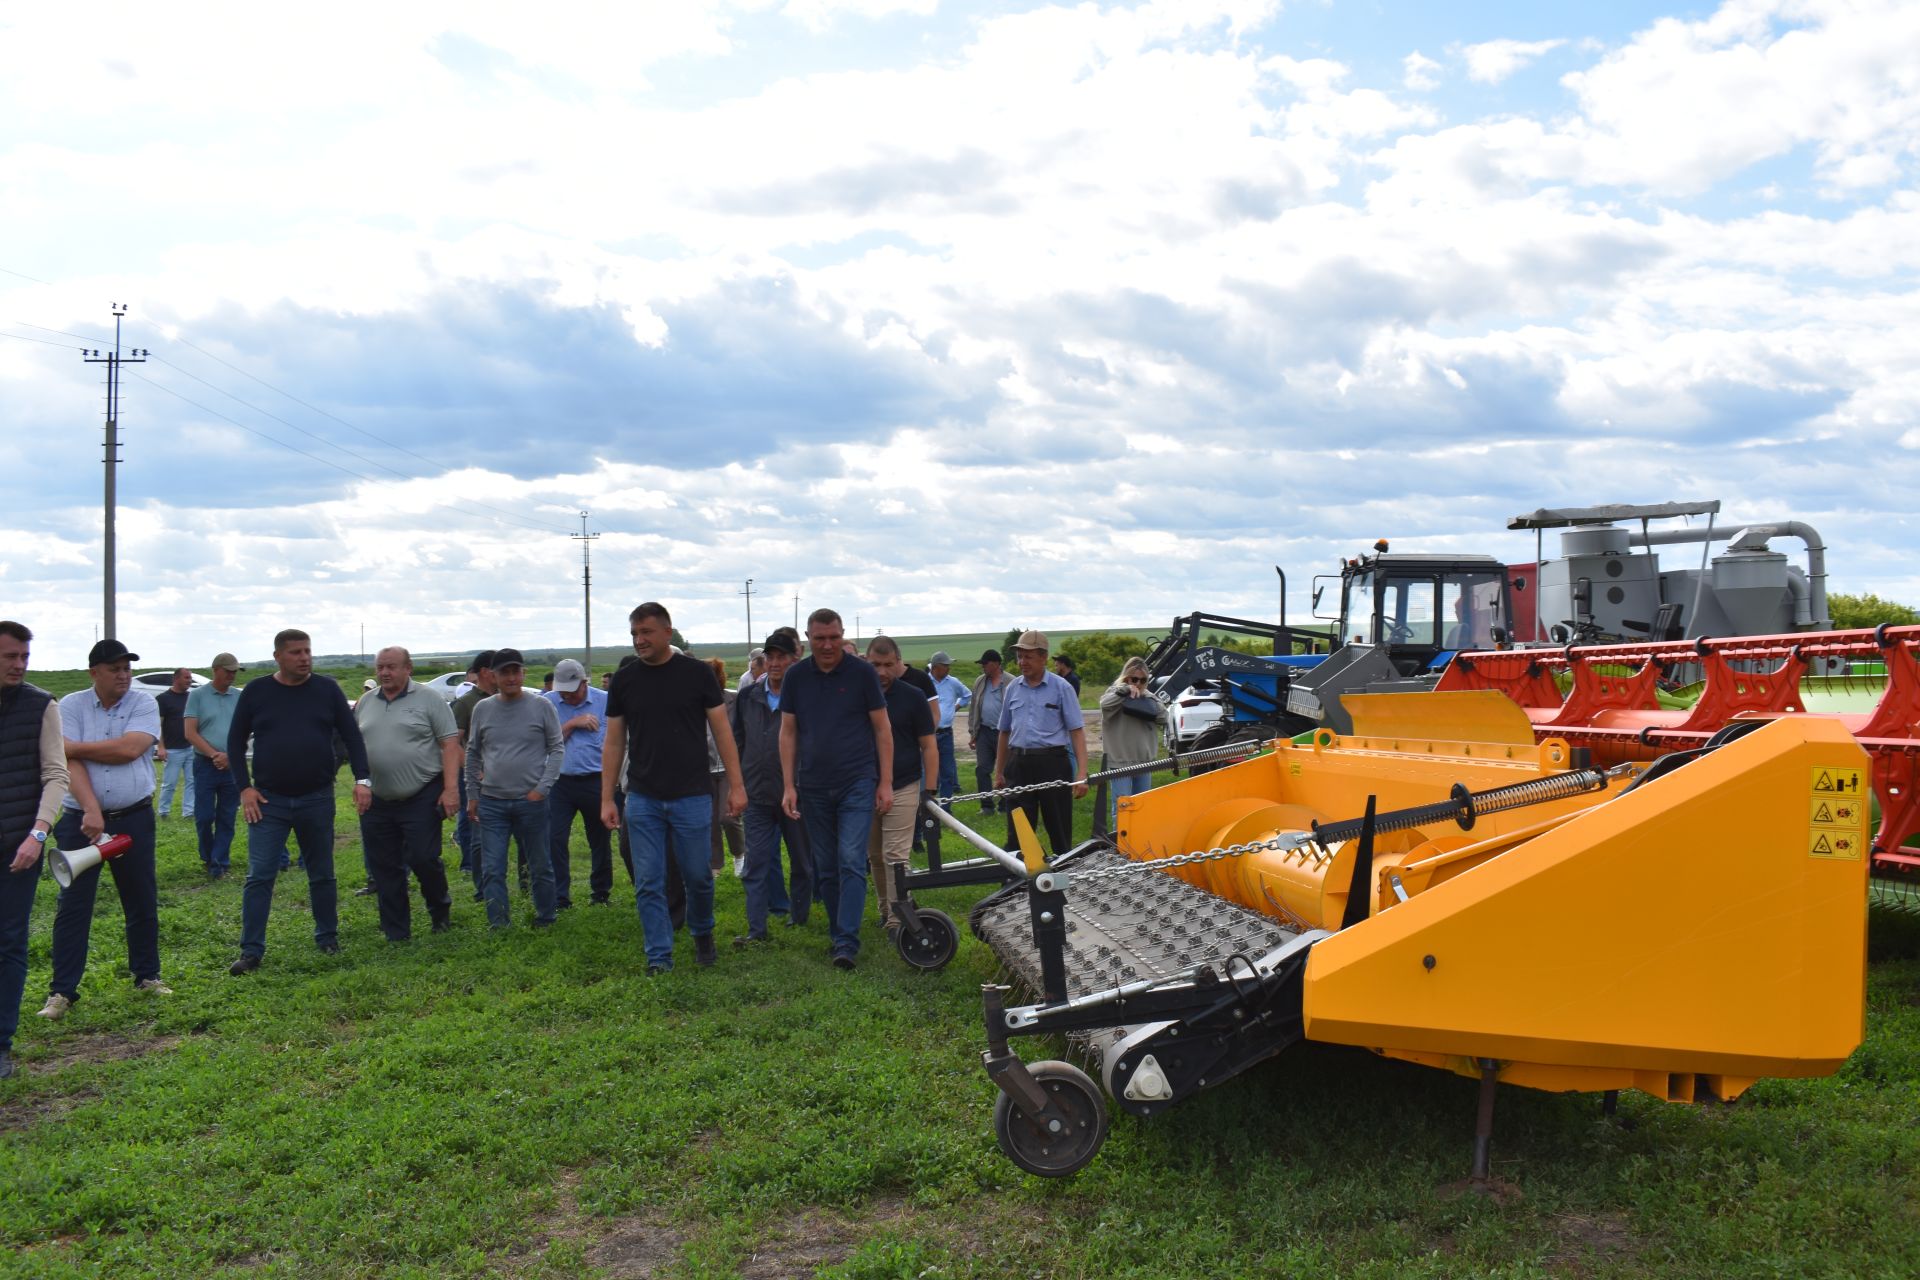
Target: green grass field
[529, 1104]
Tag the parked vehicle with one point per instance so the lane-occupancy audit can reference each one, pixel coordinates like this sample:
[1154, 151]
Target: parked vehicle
[160, 681]
[449, 686]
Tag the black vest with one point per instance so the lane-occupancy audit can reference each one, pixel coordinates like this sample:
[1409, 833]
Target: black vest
[21, 712]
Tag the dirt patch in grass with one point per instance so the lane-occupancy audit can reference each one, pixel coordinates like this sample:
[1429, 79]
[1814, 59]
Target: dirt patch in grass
[1582, 1239]
[802, 1243]
[636, 1247]
[103, 1047]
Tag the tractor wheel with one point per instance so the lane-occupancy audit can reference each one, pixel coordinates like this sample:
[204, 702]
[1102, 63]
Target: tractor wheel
[1220, 735]
[939, 939]
[1049, 1152]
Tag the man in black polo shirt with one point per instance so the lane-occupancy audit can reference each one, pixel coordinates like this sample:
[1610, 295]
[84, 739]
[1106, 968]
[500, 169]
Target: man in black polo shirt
[916, 764]
[292, 717]
[836, 763]
[658, 714]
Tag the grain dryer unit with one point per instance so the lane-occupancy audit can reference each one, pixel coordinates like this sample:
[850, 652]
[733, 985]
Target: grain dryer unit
[1450, 898]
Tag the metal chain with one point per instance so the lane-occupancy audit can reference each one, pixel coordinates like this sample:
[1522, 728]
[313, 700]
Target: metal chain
[1306, 843]
[1211, 754]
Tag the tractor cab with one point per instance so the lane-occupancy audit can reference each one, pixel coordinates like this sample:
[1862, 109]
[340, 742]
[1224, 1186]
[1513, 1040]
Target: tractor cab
[1421, 609]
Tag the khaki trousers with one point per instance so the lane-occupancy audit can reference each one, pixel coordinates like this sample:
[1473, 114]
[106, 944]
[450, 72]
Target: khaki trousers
[890, 842]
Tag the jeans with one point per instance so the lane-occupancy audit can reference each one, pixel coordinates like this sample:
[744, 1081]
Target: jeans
[178, 769]
[219, 794]
[1139, 784]
[401, 836]
[949, 782]
[466, 837]
[578, 793]
[524, 822]
[684, 827]
[988, 747]
[766, 824]
[308, 819]
[838, 820]
[17, 889]
[134, 877]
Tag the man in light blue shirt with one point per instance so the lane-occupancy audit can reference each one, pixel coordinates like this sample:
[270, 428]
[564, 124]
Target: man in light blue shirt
[1039, 720]
[953, 695]
[583, 730]
[209, 715]
[110, 730]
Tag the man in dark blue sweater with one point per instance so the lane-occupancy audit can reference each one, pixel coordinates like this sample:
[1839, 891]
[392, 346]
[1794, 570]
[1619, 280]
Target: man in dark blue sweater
[292, 717]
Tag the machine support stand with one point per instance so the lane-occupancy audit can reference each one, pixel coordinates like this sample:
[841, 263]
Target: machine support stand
[905, 909]
[1483, 1123]
[1004, 1067]
[1609, 1102]
[1049, 910]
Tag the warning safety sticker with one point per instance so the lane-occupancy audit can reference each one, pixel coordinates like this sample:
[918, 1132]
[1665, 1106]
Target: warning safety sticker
[1837, 813]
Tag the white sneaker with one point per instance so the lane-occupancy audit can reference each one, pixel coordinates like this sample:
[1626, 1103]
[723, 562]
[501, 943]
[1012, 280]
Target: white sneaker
[56, 1007]
[739, 868]
[154, 985]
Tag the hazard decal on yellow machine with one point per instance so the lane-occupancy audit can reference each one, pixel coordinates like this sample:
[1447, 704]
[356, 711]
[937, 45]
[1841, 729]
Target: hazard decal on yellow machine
[1836, 813]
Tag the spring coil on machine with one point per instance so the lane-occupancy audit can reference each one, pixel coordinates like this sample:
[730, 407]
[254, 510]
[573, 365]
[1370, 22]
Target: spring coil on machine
[1464, 806]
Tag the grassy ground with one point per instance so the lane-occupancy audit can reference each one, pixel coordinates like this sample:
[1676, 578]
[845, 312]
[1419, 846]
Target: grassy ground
[522, 1104]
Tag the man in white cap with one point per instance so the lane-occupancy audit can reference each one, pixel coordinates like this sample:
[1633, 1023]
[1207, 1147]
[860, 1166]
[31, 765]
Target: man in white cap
[583, 728]
[1039, 721]
[209, 711]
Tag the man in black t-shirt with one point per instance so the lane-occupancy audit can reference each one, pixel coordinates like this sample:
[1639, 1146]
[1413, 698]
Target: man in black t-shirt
[836, 760]
[916, 764]
[659, 711]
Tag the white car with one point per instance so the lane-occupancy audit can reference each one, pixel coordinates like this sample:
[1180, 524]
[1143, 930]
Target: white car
[449, 686]
[1192, 713]
[161, 681]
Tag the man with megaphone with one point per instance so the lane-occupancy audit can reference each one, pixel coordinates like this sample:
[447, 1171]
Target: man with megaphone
[33, 782]
[110, 729]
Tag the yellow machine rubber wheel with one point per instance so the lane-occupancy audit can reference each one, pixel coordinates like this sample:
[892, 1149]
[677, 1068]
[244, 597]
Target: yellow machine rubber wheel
[939, 939]
[1035, 1147]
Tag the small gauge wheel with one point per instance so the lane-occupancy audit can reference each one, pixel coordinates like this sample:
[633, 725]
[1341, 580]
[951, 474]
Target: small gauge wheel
[1057, 1148]
[934, 945]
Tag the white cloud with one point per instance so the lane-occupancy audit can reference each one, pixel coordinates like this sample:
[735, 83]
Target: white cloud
[1492, 61]
[818, 15]
[1419, 72]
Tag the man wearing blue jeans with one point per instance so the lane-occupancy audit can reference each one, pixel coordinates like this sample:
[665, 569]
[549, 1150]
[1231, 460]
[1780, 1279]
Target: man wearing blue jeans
[659, 712]
[209, 717]
[755, 717]
[466, 831]
[836, 761]
[583, 725]
[287, 790]
[513, 758]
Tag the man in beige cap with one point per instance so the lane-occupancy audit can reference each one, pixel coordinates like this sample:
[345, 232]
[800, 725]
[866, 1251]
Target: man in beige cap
[1039, 720]
[217, 794]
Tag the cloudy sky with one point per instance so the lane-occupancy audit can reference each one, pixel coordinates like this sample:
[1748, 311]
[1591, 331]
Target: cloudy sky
[952, 316]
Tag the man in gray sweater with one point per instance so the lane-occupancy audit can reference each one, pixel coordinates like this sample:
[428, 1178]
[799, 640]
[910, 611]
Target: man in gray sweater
[514, 750]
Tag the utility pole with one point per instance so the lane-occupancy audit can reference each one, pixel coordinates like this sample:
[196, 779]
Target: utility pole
[796, 611]
[113, 360]
[586, 583]
[747, 591]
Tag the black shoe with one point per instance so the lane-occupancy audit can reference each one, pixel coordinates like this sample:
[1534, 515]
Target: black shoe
[565, 904]
[365, 891]
[794, 922]
[844, 961]
[600, 901]
[742, 941]
[6, 1065]
[479, 896]
[655, 970]
[328, 948]
[245, 964]
[704, 952]
[442, 925]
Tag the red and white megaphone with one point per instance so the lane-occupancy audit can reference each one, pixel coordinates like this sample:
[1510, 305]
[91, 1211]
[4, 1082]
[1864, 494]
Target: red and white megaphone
[69, 864]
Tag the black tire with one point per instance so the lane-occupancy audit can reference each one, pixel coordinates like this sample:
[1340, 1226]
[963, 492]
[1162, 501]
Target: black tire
[938, 941]
[1038, 1150]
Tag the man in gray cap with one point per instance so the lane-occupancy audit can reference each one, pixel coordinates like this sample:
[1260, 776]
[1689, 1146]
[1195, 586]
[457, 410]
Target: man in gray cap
[983, 721]
[583, 726]
[209, 713]
[1039, 720]
[953, 695]
[514, 752]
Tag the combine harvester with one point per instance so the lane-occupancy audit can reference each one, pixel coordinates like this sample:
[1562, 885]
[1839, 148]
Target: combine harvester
[1439, 887]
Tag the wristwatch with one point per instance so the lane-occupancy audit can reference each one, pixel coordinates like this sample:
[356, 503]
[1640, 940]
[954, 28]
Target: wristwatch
[39, 836]
[364, 782]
